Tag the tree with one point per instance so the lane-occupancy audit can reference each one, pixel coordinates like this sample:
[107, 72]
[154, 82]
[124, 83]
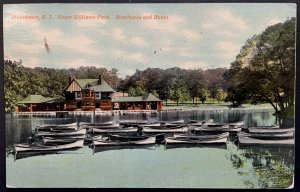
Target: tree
[221, 95]
[136, 91]
[179, 91]
[265, 69]
[203, 95]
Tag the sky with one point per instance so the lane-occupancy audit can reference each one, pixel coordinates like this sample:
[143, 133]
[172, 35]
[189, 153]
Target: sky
[188, 36]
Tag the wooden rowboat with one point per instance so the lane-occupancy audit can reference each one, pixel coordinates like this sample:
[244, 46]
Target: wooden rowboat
[122, 130]
[165, 130]
[202, 122]
[114, 137]
[55, 141]
[270, 135]
[21, 150]
[217, 129]
[129, 123]
[112, 126]
[47, 127]
[255, 141]
[172, 140]
[154, 125]
[61, 133]
[215, 136]
[147, 141]
[269, 130]
[97, 124]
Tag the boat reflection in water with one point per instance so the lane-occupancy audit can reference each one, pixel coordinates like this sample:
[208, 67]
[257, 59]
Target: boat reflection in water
[184, 145]
[120, 147]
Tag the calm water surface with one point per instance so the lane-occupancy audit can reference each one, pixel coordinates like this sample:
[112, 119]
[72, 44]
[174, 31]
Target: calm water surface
[156, 166]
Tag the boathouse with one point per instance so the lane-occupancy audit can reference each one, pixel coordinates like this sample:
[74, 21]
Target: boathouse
[88, 95]
[146, 102]
[96, 94]
[39, 103]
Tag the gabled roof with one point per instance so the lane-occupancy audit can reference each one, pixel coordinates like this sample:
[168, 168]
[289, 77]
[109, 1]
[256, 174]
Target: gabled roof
[56, 100]
[83, 82]
[93, 83]
[146, 97]
[104, 87]
[150, 97]
[34, 99]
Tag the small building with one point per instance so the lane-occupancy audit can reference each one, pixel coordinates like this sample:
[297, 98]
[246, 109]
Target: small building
[39, 103]
[88, 95]
[146, 102]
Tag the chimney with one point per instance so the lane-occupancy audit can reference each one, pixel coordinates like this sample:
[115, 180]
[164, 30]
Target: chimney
[70, 79]
[99, 81]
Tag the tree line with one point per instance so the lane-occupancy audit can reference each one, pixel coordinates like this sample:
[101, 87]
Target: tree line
[174, 83]
[263, 71]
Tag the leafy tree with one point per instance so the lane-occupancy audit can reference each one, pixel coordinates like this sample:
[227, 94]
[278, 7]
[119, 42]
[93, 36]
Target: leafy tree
[137, 91]
[203, 94]
[179, 91]
[265, 69]
[221, 95]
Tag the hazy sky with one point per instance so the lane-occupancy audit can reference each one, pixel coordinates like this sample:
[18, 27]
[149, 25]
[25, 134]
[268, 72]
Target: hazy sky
[190, 36]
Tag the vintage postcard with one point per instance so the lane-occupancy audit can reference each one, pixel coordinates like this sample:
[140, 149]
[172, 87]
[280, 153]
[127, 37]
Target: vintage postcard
[193, 95]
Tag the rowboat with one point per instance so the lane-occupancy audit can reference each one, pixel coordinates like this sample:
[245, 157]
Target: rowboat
[165, 130]
[243, 140]
[114, 137]
[112, 126]
[203, 121]
[154, 125]
[183, 136]
[172, 123]
[168, 126]
[61, 133]
[173, 140]
[133, 123]
[269, 130]
[146, 141]
[270, 135]
[47, 127]
[121, 130]
[55, 141]
[236, 124]
[20, 150]
[97, 124]
[217, 129]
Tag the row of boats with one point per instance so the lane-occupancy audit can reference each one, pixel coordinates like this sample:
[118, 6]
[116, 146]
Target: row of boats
[52, 138]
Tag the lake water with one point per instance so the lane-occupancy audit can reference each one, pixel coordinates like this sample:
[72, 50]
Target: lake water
[227, 166]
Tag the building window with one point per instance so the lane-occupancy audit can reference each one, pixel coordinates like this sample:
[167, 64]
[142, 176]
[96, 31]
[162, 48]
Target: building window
[105, 96]
[97, 94]
[78, 95]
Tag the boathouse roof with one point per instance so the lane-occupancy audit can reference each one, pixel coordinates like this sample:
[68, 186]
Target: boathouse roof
[34, 99]
[146, 97]
[91, 84]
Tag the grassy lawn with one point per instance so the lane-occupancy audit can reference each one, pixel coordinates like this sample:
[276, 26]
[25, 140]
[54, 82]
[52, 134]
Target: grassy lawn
[217, 105]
